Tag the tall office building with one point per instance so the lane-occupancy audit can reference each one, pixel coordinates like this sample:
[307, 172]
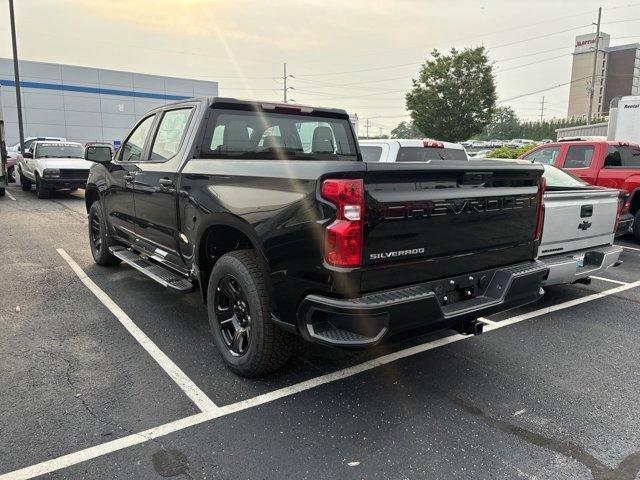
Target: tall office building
[617, 74]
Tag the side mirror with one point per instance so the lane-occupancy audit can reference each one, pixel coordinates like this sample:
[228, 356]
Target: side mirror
[27, 154]
[98, 153]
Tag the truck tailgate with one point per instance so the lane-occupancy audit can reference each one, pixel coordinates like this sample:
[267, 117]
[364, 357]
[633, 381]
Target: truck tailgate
[577, 219]
[433, 220]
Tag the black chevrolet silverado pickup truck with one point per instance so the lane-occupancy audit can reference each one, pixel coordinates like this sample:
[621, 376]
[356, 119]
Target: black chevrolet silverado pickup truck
[269, 210]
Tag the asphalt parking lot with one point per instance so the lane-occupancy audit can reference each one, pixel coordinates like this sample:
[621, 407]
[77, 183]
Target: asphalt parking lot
[105, 374]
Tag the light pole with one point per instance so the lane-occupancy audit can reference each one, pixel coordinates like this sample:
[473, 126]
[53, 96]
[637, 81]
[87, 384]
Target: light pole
[16, 74]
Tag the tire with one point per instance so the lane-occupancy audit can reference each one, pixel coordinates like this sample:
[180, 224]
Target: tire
[636, 226]
[41, 191]
[2, 191]
[99, 240]
[25, 183]
[10, 175]
[265, 347]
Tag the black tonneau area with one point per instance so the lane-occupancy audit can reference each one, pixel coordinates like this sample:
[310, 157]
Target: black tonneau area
[438, 219]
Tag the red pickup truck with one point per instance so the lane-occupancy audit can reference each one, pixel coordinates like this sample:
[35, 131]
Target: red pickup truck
[611, 164]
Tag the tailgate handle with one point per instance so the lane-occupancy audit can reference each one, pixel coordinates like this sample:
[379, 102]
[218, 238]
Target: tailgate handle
[586, 211]
[474, 178]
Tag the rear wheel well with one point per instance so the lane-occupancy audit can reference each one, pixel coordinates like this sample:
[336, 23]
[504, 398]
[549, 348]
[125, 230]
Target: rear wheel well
[90, 196]
[216, 241]
[634, 205]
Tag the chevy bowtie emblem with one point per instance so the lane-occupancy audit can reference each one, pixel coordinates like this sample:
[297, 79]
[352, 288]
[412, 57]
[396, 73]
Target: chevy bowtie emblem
[584, 225]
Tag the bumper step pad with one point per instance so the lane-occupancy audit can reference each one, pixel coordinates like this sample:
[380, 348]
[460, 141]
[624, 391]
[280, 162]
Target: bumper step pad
[162, 275]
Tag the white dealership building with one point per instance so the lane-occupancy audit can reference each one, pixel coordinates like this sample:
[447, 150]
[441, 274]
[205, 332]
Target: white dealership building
[86, 104]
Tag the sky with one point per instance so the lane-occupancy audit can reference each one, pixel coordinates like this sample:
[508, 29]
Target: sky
[359, 55]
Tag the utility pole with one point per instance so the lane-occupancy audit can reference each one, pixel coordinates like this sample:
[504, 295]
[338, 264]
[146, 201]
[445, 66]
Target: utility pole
[367, 125]
[592, 90]
[16, 74]
[542, 110]
[285, 88]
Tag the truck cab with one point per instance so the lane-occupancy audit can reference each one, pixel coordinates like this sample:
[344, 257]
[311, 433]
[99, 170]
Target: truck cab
[605, 163]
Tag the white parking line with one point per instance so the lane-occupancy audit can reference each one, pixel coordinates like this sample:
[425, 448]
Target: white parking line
[630, 248]
[610, 280]
[142, 437]
[10, 195]
[487, 321]
[198, 397]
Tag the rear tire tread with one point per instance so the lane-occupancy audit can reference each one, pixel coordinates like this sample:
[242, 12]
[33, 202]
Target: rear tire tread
[276, 344]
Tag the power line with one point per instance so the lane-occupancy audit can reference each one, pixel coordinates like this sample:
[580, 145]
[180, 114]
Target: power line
[542, 90]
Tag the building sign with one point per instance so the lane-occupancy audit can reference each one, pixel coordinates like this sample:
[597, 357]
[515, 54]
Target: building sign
[587, 43]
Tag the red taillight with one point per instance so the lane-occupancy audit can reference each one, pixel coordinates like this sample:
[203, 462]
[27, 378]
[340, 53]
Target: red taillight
[623, 207]
[343, 238]
[427, 143]
[540, 215]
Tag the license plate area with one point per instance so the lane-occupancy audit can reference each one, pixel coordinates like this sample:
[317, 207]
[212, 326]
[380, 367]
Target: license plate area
[452, 291]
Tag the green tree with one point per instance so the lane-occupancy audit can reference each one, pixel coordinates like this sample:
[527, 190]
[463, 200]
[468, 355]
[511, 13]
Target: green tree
[405, 130]
[454, 96]
[504, 125]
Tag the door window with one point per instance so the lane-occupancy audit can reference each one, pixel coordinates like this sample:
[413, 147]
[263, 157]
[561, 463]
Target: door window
[132, 148]
[579, 156]
[170, 133]
[622, 157]
[546, 156]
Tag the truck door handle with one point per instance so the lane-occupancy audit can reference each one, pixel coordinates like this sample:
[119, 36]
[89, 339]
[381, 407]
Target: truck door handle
[166, 182]
[128, 178]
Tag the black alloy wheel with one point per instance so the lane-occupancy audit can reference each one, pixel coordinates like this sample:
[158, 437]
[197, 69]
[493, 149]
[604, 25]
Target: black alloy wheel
[233, 315]
[94, 233]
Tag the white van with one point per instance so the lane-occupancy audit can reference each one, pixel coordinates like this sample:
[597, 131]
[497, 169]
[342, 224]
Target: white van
[624, 119]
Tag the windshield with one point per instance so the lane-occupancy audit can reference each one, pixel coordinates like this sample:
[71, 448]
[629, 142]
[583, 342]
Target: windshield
[557, 178]
[243, 134]
[59, 150]
[422, 154]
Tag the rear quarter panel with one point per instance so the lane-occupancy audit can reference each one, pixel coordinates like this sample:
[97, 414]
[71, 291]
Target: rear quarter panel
[277, 204]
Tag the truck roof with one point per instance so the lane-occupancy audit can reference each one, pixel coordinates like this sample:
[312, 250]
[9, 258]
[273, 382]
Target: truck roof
[260, 104]
[592, 139]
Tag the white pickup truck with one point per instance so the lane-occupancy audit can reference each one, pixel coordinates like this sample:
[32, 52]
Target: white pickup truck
[579, 222]
[404, 150]
[578, 230]
[53, 165]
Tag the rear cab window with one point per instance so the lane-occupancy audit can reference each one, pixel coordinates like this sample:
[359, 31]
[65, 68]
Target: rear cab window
[276, 135]
[423, 154]
[622, 156]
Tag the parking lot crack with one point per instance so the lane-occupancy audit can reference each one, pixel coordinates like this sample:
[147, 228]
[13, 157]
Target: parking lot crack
[627, 469]
[111, 424]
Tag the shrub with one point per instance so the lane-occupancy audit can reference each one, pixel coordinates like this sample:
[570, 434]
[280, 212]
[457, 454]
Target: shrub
[506, 152]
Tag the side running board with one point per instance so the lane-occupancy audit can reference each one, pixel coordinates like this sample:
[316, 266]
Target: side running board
[163, 276]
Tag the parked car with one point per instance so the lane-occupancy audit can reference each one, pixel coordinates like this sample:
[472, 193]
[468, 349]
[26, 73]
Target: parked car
[14, 153]
[580, 221]
[269, 210]
[610, 164]
[53, 165]
[404, 150]
[519, 142]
